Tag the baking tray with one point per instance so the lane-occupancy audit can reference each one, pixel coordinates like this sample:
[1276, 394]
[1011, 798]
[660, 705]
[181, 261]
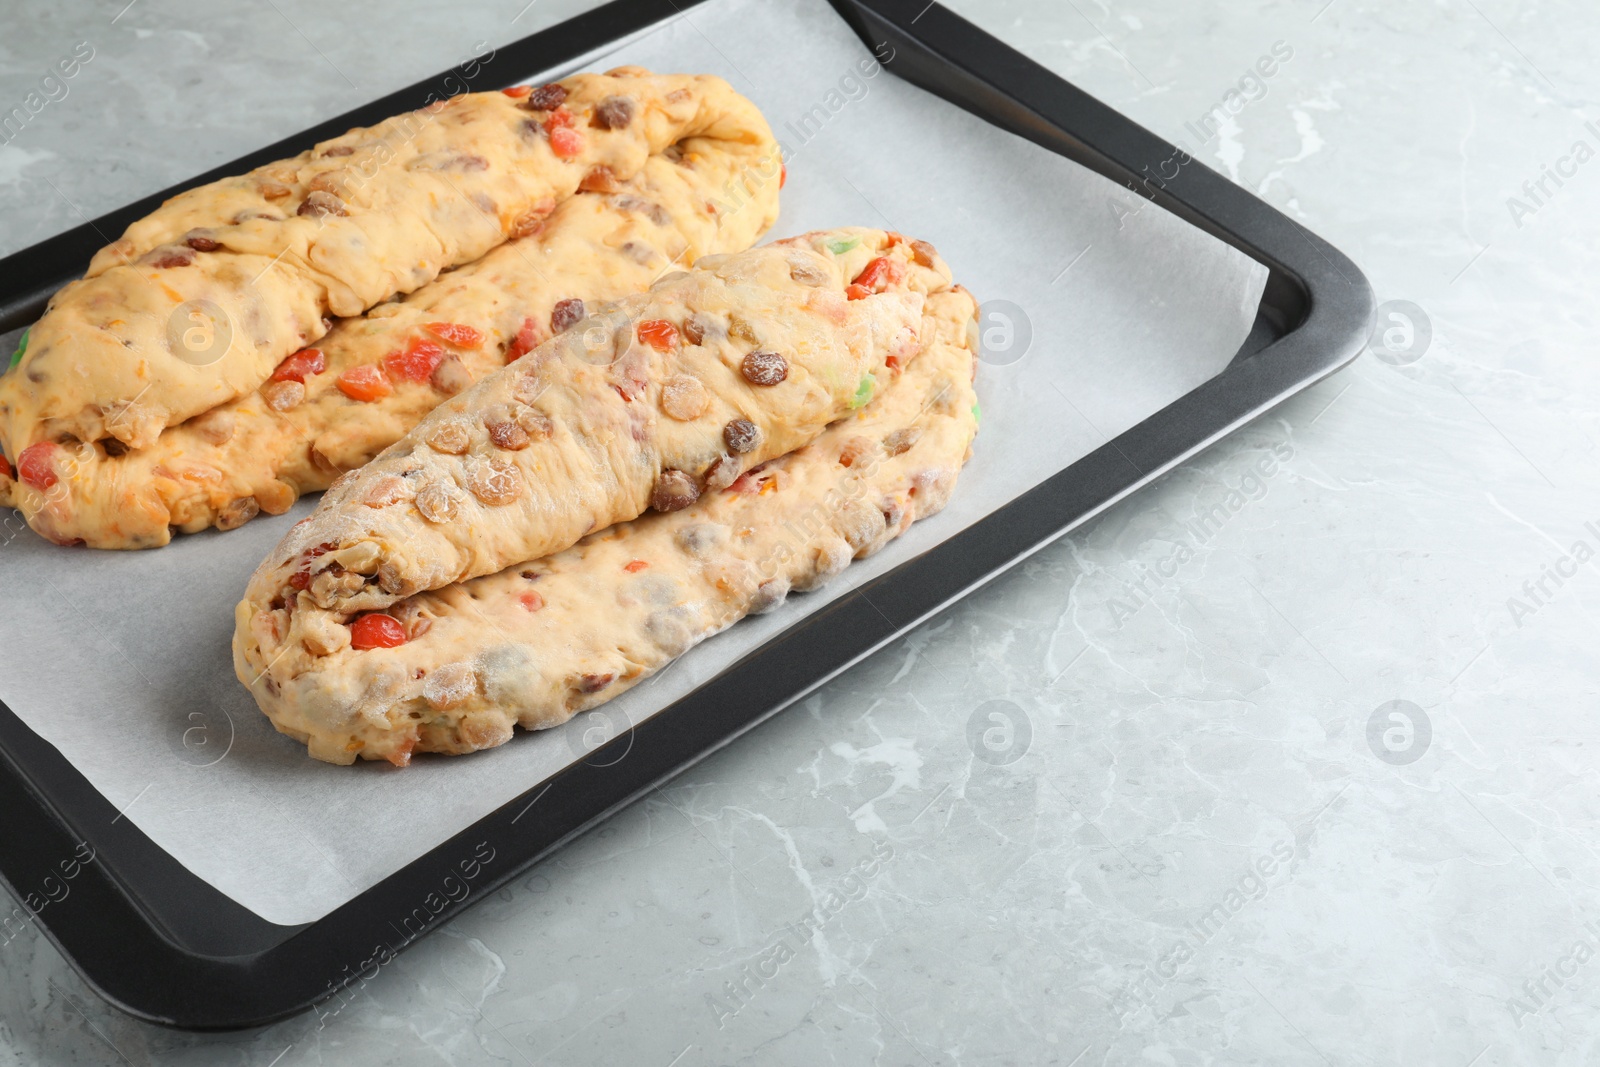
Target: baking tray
[161, 944]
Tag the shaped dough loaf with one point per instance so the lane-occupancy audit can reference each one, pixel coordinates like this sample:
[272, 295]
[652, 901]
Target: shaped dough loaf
[260, 452]
[539, 642]
[198, 303]
[645, 404]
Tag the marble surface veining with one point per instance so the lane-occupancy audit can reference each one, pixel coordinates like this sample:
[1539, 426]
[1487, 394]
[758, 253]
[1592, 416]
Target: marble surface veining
[1293, 755]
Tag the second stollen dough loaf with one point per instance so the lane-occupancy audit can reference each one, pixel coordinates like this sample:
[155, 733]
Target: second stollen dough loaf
[648, 404]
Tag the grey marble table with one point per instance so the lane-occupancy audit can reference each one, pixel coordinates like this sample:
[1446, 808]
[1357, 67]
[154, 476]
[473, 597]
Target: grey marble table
[1216, 837]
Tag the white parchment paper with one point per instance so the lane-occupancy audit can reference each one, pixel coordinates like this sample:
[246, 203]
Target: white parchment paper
[121, 660]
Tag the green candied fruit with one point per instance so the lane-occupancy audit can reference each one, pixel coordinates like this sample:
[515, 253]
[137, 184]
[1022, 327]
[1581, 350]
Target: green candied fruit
[22, 346]
[839, 248]
[863, 391]
[977, 416]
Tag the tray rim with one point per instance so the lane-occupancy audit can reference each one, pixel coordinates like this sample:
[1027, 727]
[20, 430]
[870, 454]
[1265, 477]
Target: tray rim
[132, 955]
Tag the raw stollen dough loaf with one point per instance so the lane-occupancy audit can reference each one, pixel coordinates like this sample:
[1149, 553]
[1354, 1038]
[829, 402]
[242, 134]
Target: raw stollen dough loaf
[196, 304]
[300, 430]
[647, 403]
[539, 642]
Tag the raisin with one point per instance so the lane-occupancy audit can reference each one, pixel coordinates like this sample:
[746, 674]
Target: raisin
[546, 97]
[698, 326]
[328, 182]
[170, 256]
[215, 426]
[386, 492]
[807, 270]
[684, 398]
[593, 683]
[567, 313]
[450, 686]
[658, 214]
[319, 204]
[392, 581]
[854, 451]
[436, 503]
[282, 396]
[699, 539]
[641, 253]
[674, 491]
[528, 388]
[237, 512]
[535, 424]
[764, 368]
[494, 482]
[201, 243]
[741, 436]
[600, 179]
[769, 594]
[612, 113]
[723, 472]
[531, 221]
[451, 377]
[508, 435]
[902, 439]
[452, 439]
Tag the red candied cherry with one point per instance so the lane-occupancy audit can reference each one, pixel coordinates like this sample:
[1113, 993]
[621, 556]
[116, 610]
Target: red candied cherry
[376, 631]
[295, 368]
[36, 466]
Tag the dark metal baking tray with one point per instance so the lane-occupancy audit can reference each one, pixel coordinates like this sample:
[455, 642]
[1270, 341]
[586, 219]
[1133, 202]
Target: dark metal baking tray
[156, 941]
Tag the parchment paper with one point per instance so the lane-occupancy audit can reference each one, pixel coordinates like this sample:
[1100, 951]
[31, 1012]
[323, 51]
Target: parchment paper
[121, 659]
